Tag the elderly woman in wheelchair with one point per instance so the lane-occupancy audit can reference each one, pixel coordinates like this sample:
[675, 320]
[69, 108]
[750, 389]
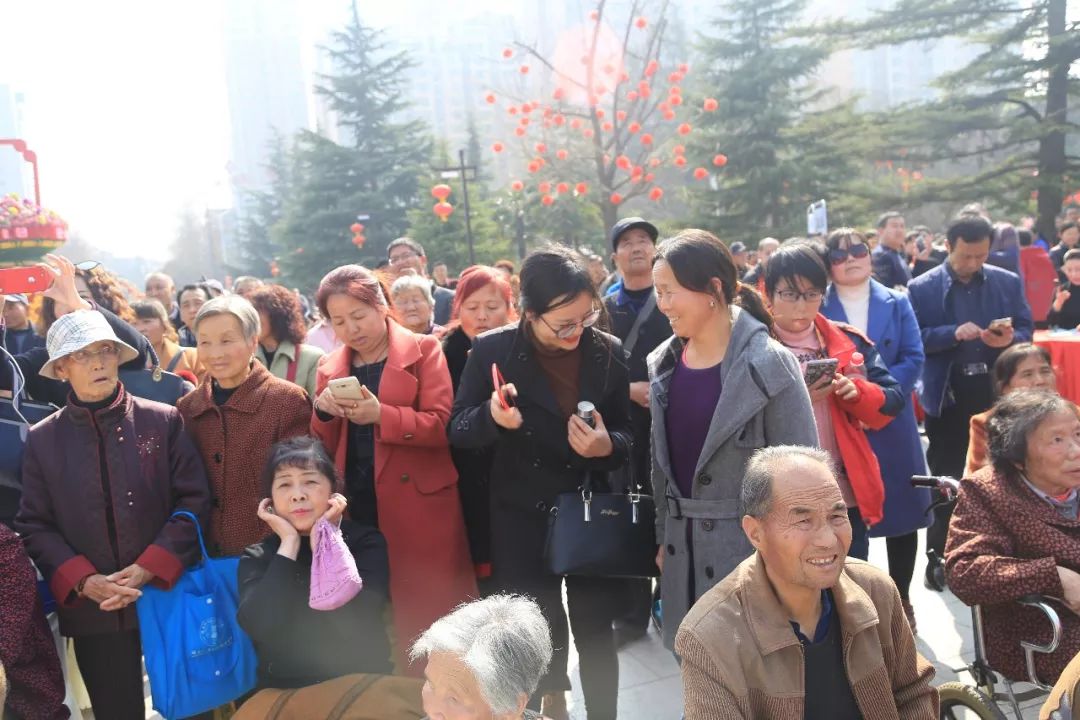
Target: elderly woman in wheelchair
[1015, 533]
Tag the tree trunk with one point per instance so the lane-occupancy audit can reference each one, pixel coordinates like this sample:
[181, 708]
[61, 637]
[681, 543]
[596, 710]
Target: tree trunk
[610, 214]
[1052, 144]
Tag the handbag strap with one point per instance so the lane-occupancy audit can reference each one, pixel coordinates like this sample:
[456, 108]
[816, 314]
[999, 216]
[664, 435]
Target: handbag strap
[175, 360]
[290, 374]
[635, 330]
[361, 686]
[198, 529]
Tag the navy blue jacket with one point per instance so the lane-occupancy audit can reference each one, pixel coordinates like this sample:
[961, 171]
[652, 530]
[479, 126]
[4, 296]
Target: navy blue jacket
[1003, 296]
[890, 268]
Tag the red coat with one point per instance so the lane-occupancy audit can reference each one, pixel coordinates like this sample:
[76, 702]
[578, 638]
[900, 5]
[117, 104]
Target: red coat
[848, 418]
[415, 481]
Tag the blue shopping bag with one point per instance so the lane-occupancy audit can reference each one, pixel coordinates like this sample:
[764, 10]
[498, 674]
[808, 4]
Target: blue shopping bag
[196, 654]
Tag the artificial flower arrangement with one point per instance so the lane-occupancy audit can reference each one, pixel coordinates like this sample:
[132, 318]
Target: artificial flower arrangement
[27, 231]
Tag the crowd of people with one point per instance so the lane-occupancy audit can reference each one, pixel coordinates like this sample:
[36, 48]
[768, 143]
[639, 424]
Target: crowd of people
[768, 401]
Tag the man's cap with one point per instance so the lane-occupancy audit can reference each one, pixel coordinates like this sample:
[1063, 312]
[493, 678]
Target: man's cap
[629, 224]
[17, 298]
[737, 247]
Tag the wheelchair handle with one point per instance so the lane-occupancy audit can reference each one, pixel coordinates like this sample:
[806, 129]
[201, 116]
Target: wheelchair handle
[1042, 603]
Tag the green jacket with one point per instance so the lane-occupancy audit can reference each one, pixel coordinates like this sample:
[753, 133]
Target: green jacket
[306, 363]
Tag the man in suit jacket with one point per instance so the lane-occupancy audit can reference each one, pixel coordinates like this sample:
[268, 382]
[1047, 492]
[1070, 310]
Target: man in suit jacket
[957, 306]
[890, 263]
[641, 326]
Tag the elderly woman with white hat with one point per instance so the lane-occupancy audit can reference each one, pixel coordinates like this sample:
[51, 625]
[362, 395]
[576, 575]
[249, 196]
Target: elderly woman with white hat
[101, 480]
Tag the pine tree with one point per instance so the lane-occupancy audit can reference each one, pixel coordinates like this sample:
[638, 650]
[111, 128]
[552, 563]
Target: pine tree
[780, 156]
[998, 133]
[263, 209]
[374, 171]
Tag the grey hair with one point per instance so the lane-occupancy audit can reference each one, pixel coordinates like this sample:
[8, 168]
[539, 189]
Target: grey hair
[236, 306]
[755, 497]
[245, 279]
[1014, 418]
[413, 282]
[504, 640]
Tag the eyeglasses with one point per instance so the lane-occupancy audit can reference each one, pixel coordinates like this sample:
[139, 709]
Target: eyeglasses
[791, 296]
[403, 257]
[565, 331]
[85, 356]
[858, 251]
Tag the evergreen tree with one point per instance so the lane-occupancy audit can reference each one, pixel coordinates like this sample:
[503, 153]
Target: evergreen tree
[262, 210]
[999, 131]
[781, 156]
[374, 171]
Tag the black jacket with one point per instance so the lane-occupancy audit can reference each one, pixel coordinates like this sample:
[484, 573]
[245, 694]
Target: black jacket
[47, 390]
[1068, 317]
[534, 463]
[653, 331]
[473, 464]
[298, 646]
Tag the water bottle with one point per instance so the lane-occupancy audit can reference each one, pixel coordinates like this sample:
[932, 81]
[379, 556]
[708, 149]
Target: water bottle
[857, 366]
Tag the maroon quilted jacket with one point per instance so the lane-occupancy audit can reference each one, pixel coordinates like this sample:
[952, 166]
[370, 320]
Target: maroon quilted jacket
[1006, 542]
[27, 652]
[151, 469]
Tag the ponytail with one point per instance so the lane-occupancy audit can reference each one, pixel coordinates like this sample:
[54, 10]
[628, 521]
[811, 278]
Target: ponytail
[749, 300]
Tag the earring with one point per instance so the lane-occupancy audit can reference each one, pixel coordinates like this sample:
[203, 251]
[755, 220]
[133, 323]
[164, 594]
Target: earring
[712, 303]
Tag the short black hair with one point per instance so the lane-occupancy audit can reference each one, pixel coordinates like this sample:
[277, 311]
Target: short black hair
[1073, 254]
[969, 229]
[303, 452]
[553, 276]
[796, 260]
[1071, 225]
[407, 242]
[885, 217]
[1026, 238]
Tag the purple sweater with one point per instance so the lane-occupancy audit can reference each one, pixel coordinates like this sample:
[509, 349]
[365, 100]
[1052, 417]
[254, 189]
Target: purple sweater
[692, 399]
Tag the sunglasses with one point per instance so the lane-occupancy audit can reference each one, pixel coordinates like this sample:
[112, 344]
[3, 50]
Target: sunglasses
[840, 256]
[87, 265]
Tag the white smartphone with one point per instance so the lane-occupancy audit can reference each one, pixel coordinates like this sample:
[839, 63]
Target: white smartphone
[346, 388]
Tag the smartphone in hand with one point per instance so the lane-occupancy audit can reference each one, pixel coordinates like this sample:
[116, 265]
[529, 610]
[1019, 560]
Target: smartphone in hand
[346, 388]
[506, 399]
[817, 369]
[24, 280]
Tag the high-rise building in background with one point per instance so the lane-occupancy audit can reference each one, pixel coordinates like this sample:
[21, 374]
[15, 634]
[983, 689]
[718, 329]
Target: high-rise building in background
[268, 92]
[13, 170]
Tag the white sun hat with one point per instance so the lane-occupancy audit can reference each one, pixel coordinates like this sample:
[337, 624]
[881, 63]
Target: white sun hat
[78, 330]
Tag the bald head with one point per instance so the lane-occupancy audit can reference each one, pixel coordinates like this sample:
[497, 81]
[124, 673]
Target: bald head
[779, 463]
[765, 249]
[160, 287]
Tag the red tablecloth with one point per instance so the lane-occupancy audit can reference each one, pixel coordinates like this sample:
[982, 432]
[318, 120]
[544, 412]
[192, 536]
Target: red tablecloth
[1065, 355]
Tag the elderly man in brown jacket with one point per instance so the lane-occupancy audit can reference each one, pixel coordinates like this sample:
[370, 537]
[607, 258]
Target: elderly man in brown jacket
[797, 630]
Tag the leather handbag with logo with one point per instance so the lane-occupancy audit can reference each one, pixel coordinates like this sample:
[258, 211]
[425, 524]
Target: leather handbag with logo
[602, 534]
[153, 383]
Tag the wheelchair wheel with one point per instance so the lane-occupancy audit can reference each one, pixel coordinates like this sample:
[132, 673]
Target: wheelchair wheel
[964, 702]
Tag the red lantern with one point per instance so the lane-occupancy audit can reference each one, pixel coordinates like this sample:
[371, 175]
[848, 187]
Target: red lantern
[443, 210]
[675, 90]
[524, 69]
[685, 129]
[358, 240]
[633, 128]
[541, 148]
[679, 149]
[607, 127]
[356, 228]
[575, 124]
[519, 131]
[581, 188]
[609, 69]
[720, 160]
[655, 194]
[558, 94]
[669, 114]
[700, 173]
[655, 162]
[674, 78]
[497, 147]
[620, 116]
[512, 110]
[651, 68]
[274, 269]
[594, 15]
[684, 68]
[440, 192]
[616, 198]
[508, 53]
[559, 120]
[524, 121]
[622, 162]
[632, 96]
[599, 114]
[647, 139]
[676, 100]
[533, 166]
[587, 133]
[517, 186]
[562, 188]
[680, 161]
[649, 177]
[490, 98]
[637, 172]
[641, 23]
[561, 154]
[710, 105]
[544, 188]
[547, 200]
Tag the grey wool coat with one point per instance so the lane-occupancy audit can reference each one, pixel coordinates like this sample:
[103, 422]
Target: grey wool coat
[763, 402]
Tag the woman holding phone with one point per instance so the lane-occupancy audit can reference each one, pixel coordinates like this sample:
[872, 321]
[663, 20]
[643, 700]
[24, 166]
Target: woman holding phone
[853, 394]
[383, 400]
[519, 394]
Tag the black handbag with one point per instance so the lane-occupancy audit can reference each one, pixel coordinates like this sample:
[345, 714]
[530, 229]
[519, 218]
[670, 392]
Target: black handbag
[155, 384]
[602, 534]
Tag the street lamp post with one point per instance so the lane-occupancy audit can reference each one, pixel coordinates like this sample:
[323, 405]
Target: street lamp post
[461, 170]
